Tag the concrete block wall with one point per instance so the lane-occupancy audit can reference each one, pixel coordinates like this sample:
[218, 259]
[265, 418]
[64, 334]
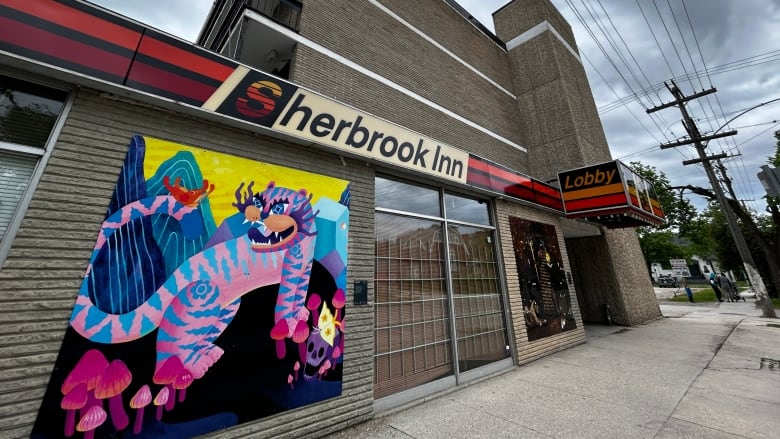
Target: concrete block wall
[363, 33]
[42, 274]
[563, 131]
[560, 122]
[526, 351]
[606, 274]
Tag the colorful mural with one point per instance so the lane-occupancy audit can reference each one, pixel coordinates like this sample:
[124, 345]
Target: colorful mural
[543, 287]
[215, 295]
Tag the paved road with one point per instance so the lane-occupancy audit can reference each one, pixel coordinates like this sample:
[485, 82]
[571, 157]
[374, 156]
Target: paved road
[696, 373]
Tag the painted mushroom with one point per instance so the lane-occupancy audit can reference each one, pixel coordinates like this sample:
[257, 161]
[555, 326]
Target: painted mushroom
[139, 401]
[279, 333]
[166, 374]
[116, 378]
[74, 400]
[339, 299]
[92, 419]
[182, 381]
[89, 371]
[314, 304]
[160, 400]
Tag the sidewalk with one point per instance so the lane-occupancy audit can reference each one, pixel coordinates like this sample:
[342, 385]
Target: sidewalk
[695, 374]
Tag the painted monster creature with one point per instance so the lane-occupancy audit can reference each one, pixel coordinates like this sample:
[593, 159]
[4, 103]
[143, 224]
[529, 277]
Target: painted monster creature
[195, 304]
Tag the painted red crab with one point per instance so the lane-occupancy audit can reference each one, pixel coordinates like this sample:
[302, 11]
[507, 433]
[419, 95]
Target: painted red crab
[187, 197]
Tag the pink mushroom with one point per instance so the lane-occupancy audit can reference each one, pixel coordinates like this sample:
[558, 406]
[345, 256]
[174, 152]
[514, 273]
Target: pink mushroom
[323, 369]
[296, 368]
[160, 400]
[182, 381]
[301, 332]
[339, 299]
[74, 400]
[166, 374]
[279, 333]
[139, 401]
[89, 370]
[92, 419]
[290, 381]
[314, 304]
[116, 378]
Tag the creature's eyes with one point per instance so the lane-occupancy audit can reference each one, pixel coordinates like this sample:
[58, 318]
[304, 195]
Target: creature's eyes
[258, 202]
[279, 208]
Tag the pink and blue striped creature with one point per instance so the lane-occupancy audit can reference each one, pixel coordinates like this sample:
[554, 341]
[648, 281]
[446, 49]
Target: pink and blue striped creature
[195, 304]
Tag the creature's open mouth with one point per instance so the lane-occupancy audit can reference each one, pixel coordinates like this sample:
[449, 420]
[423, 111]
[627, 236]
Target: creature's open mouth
[310, 371]
[261, 242]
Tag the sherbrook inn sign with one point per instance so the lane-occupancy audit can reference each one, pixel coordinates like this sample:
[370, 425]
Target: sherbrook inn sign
[284, 107]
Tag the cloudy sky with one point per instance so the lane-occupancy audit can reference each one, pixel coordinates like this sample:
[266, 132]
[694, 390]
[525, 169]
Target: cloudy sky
[629, 48]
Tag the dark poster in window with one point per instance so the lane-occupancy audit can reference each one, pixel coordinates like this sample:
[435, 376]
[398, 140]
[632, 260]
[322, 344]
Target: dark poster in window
[543, 287]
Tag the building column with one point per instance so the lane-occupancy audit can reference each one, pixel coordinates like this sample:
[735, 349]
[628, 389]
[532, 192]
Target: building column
[562, 131]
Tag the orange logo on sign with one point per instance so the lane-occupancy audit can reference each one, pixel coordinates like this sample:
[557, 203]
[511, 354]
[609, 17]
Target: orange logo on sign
[260, 99]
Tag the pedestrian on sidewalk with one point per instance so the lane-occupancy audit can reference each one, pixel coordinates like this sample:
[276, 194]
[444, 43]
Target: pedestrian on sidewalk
[715, 286]
[688, 291]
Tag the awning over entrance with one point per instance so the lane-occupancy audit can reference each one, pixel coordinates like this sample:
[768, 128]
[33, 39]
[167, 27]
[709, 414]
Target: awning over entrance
[610, 194]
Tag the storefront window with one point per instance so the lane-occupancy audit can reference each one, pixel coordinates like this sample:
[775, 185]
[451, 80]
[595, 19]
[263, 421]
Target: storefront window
[28, 113]
[467, 210]
[476, 295]
[405, 197]
[412, 326]
[423, 275]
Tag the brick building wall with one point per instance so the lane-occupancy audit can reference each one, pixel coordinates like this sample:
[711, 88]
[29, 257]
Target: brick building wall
[363, 33]
[525, 350]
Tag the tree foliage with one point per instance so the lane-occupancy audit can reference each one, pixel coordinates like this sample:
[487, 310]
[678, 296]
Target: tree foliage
[678, 210]
[660, 243]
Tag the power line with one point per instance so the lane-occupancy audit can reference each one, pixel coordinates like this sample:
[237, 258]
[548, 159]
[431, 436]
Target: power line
[756, 60]
[587, 27]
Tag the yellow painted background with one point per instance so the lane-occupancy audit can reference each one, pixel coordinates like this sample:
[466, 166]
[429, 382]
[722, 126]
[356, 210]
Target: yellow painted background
[227, 172]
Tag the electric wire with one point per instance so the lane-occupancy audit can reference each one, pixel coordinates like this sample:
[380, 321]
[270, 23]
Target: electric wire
[741, 171]
[582, 20]
[756, 60]
[605, 33]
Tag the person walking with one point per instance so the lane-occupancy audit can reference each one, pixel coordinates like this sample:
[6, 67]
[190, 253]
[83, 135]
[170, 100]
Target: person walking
[715, 286]
[726, 286]
[688, 291]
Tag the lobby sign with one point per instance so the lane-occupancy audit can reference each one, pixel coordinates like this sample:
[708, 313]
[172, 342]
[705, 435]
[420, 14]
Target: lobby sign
[610, 193]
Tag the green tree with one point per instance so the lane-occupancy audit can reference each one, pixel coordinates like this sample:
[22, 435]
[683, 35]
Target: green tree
[678, 210]
[659, 243]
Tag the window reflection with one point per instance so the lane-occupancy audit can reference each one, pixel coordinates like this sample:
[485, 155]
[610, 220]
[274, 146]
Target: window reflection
[27, 112]
[411, 307]
[464, 209]
[476, 295]
[406, 197]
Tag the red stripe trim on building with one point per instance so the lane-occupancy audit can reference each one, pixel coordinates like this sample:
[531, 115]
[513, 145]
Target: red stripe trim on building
[596, 203]
[499, 179]
[167, 84]
[59, 47]
[189, 60]
[80, 21]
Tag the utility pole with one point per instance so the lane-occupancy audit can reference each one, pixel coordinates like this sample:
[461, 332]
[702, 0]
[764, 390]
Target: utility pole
[698, 141]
